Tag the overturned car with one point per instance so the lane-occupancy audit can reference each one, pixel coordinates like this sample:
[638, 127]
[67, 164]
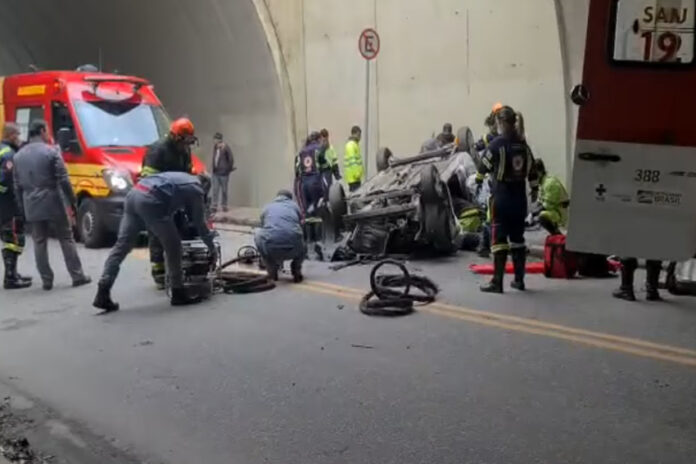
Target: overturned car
[410, 204]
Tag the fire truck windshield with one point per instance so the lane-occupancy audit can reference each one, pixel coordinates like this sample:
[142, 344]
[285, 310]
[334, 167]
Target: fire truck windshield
[120, 124]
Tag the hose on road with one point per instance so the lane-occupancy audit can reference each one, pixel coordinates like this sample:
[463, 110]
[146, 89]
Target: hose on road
[241, 281]
[384, 301]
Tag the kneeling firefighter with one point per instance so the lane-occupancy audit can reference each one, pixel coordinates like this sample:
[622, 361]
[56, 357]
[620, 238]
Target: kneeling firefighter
[11, 219]
[172, 153]
[151, 204]
[509, 161]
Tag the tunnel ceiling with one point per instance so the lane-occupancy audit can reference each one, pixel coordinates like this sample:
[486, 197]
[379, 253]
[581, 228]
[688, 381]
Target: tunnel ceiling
[208, 59]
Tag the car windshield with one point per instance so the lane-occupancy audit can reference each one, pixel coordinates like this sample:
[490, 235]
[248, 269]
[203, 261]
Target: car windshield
[120, 124]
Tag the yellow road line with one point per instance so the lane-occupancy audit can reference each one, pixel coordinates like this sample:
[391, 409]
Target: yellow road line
[518, 324]
[534, 323]
[600, 340]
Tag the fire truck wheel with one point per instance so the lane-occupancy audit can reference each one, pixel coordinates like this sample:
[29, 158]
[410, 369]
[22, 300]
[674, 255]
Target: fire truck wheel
[90, 226]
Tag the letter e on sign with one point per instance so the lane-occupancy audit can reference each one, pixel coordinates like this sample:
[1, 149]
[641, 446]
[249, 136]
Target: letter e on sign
[369, 44]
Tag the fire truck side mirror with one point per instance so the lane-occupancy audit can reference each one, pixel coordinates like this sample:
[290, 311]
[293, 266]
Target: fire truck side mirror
[67, 141]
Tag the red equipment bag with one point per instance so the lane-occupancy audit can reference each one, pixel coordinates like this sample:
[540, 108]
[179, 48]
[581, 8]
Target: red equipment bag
[559, 263]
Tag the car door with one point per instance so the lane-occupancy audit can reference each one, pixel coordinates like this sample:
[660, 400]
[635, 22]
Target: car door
[634, 172]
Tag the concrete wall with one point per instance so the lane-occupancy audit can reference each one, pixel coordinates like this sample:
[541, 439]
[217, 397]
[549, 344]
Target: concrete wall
[209, 59]
[266, 71]
[441, 60]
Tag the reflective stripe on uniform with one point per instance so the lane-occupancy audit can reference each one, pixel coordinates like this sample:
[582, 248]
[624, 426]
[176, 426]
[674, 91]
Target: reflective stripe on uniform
[500, 247]
[148, 171]
[13, 247]
[501, 164]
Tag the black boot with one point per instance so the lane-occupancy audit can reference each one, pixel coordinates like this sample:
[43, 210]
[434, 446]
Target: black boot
[519, 260]
[181, 298]
[296, 268]
[103, 300]
[12, 280]
[628, 270]
[496, 283]
[652, 280]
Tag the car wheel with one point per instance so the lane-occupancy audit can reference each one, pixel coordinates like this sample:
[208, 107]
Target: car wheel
[436, 211]
[337, 205]
[383, 156]
[90, 225]
[465, 141]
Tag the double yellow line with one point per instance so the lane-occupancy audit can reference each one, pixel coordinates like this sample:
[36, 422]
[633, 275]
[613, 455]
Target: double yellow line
[621, 344]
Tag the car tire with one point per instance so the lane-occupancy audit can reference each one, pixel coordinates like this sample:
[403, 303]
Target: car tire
[90, 226]
[337, 204]
[465, 141]
[436, 211]
[383, 156]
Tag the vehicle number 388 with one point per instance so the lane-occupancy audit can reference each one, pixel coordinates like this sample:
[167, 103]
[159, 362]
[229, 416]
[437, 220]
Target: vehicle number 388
[647, 176]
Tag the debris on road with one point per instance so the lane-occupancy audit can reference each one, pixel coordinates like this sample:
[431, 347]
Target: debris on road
[384, 301]
[14, 446]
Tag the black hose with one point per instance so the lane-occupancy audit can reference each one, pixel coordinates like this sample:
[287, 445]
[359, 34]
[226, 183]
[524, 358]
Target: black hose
[383, 300]
[241, 281]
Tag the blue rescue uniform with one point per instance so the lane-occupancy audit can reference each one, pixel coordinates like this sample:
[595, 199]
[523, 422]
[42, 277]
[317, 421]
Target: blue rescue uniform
[510, 164]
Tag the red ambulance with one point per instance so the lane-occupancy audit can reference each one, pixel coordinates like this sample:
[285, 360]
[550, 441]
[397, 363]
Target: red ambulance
[634, 172]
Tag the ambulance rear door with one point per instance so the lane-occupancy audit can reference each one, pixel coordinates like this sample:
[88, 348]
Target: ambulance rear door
[634, 173]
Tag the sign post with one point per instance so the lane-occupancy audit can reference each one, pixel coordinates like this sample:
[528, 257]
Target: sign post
[368, 44]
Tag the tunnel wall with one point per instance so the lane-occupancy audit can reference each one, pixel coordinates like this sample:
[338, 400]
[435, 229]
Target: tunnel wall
[441, 60]
[266, 71]
[208, 59]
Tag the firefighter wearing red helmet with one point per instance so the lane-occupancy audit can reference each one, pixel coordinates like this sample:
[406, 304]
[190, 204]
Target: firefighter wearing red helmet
[172, 153]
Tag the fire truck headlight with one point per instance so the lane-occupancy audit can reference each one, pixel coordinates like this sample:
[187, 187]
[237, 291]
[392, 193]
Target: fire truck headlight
[118, 182]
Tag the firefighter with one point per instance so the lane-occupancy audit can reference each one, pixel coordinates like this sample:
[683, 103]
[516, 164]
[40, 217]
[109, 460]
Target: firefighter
[329, 167]
[11, 220]
[652, 280]
[353, 167]
[553, 200]
[308, 177]
[151, 204]
[492, 126]
[509, 161]
[172, 153]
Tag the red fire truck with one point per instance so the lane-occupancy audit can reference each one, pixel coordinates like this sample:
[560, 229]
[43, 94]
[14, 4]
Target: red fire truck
[107, 119]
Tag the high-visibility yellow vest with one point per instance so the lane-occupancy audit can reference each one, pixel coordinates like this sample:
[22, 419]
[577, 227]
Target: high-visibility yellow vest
[353, 163]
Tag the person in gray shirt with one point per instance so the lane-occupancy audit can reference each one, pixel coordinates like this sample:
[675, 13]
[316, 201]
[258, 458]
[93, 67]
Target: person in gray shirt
[42, 189]
[280, 237]
[151, 205]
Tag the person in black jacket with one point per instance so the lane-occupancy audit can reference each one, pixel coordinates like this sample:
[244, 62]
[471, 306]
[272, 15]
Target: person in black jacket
[11, 219]
[171, 154]
[223, 165]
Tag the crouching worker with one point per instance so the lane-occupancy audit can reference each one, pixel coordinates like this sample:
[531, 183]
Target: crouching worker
[151, 205]
[280, 237]
[553, 200]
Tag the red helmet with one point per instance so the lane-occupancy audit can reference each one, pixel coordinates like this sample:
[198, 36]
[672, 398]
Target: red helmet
[182, 127]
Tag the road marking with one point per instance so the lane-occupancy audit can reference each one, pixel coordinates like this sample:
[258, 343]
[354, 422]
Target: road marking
[634, 346]
[611, 342]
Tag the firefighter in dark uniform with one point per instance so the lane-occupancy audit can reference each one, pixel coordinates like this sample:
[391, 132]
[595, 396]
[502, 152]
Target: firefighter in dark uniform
[172, 153]
[510, 163]
[308, 175]
[11, 220]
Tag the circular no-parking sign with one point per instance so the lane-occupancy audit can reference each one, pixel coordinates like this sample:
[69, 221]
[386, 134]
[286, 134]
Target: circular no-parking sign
[369, 44]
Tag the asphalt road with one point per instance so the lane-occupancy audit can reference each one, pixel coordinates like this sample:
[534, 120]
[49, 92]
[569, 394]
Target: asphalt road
[561, 374]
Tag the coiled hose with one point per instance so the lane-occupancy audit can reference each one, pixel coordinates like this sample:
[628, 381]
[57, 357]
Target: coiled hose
[384, 301]
[241, 281]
